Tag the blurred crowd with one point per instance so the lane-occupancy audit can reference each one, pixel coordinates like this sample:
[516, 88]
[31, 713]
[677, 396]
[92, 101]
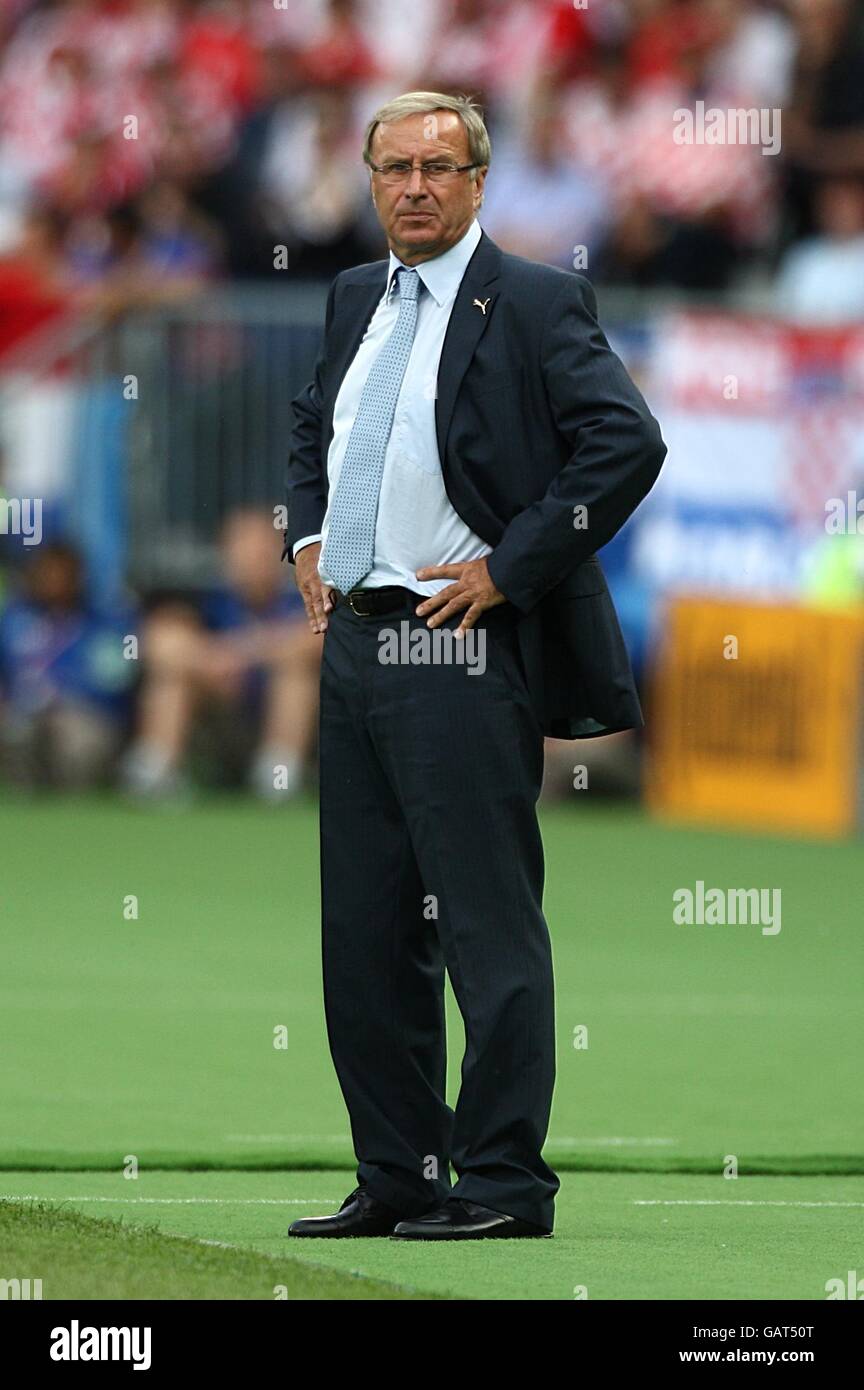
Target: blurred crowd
[150, 145]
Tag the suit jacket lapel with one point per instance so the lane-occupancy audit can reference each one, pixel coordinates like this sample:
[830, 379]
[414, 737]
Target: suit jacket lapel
[467, 325]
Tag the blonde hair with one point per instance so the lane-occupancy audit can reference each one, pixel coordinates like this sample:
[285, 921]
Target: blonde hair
[424, 103]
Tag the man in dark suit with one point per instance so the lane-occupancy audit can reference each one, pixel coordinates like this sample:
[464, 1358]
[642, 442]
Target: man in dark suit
[468, 442]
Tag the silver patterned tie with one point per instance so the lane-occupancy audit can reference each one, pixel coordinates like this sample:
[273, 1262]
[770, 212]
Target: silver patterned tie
[350, 547]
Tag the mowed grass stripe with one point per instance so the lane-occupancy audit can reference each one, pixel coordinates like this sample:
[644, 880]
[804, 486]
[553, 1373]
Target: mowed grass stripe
[563, 1161]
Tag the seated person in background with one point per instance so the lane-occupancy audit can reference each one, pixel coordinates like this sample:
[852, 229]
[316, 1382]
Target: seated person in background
[248, 664]
[64, 678]
[821, 279]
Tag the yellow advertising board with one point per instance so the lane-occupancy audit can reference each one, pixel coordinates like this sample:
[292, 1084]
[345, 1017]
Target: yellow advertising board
[756, 717]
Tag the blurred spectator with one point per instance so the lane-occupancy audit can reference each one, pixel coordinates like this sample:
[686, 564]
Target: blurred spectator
[216, 48]
[155, 250]
[314, 187]
[823, 127]
[821, 279]
[64, 682]
[34, 287]
[493, 48]
[753, 55]
[244, 671]
[339, 55]
[539, 171]
[176, 241]
[37, 307]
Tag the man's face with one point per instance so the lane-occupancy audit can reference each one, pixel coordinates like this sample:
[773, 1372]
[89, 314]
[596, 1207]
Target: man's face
[422, 218]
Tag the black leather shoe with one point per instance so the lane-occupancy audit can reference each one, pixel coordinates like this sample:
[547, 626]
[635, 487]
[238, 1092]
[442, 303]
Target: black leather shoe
[359, 1215]
[461, 1220]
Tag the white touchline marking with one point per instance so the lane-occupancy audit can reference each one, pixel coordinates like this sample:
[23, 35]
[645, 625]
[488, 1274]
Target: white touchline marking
[287, 1138]
[615, 1139]
[179, 1201]
[733, 1202]
[219, 1244]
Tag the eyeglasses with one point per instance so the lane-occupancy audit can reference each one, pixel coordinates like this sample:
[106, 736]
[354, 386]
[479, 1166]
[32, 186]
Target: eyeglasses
[436, 171]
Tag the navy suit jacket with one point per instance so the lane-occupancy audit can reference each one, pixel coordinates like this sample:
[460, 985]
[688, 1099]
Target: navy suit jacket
[536, 417]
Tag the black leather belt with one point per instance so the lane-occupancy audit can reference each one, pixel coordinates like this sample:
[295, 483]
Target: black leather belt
[372, 603]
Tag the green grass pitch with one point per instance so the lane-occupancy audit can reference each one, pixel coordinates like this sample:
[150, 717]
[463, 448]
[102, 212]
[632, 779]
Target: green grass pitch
[152, 1037]
[618, 1236]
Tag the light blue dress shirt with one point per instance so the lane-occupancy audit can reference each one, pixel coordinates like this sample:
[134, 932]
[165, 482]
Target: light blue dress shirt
[417, 524]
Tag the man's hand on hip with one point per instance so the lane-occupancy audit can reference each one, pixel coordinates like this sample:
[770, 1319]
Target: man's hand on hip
[473, 589]
[317, 597]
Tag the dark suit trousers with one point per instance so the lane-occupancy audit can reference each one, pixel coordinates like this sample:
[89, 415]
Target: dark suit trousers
[431, 857]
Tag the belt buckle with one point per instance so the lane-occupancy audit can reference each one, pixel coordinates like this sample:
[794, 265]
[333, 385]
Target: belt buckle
[351, 600]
